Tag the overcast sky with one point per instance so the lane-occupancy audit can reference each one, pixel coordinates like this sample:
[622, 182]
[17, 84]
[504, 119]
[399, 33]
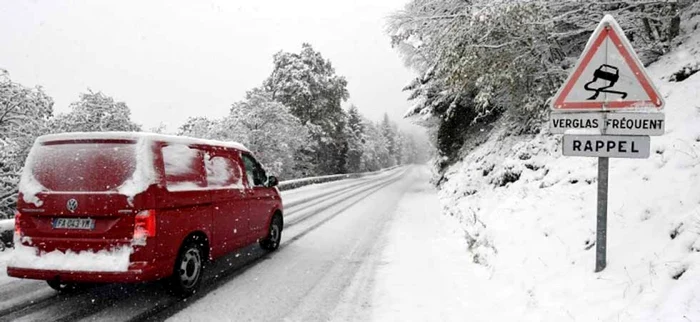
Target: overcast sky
[173, 59]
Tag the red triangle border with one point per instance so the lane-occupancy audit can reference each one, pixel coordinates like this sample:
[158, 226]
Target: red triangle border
[561, 104]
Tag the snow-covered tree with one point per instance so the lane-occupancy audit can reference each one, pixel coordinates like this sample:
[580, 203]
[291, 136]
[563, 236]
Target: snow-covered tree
[273, 133]
[95, 112]
[24, 113]
[21, 108]
[161, 128]
[390, 134]
[480, 59]
[355, 131]
[513, 53]
[265, 126]
[307, 84]
[205, 128]
[375, 154]
[415, 149]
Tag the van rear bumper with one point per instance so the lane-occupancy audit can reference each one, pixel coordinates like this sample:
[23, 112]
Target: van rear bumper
[137, 272]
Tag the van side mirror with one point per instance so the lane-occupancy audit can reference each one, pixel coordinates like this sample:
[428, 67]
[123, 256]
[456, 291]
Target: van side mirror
[272, 181]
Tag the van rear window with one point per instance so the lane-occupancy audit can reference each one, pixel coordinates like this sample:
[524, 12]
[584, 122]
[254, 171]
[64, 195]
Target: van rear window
[78, 166]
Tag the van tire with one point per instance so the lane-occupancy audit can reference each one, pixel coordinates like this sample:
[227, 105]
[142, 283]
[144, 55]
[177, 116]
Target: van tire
[274, 235]
[189, 268]
[64, 287]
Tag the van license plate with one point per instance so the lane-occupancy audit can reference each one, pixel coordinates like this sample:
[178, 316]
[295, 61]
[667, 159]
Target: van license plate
[74, 223]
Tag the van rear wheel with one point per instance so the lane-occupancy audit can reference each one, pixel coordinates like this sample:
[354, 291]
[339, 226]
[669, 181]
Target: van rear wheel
[274, 235]
[189, 266]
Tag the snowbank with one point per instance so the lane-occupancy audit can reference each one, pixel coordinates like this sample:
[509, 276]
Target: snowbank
[422, 275]
[115, 260]
[529, 219]
[4, 257]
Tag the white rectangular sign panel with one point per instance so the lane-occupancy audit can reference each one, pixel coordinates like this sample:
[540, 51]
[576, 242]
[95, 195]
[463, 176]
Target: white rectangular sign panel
[611, 146]
[609, 123]
[635, 124]
[559, 123]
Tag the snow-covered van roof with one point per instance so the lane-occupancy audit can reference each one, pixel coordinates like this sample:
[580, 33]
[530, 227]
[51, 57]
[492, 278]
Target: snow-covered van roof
[138, 136]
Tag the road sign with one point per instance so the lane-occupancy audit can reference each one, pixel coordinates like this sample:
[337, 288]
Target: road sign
[608, 75]
[607, 79]
[609, 123]
[607, 146]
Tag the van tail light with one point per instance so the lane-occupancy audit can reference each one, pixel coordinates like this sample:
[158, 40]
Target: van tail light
[145, 224]
[18, 230]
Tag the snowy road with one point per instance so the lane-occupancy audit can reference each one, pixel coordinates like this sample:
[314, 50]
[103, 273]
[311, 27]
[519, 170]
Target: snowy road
[323, 270]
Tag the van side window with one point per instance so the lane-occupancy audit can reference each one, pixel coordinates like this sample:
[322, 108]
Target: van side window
[255, 173]
[184, 167]
[223, 172]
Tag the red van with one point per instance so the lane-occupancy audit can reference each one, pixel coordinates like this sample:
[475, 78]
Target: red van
[131, 207]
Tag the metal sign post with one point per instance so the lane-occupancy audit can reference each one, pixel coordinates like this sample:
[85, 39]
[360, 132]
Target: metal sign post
[607, 108]
[601, 233]
[601, 238]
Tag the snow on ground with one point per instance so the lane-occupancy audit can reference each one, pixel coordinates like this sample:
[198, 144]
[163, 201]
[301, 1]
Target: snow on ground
[422, 276]
[529, 220]
[294, 196]
[4, 258]
[5, 225]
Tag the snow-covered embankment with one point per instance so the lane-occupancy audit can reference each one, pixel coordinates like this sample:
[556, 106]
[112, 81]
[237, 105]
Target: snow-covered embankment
[529, 218]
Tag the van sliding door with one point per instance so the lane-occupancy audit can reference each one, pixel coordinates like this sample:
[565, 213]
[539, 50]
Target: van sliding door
[225, 178]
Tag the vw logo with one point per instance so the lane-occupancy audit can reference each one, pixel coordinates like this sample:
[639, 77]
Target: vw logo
[72, 205]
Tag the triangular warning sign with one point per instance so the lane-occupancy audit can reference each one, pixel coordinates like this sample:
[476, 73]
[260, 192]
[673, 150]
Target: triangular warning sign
[608, 75]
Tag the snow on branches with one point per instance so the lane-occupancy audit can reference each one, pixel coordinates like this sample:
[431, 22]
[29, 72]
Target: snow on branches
[294, 123]
[96, 112]
[511, 55]
[480, 59]
[24, 113]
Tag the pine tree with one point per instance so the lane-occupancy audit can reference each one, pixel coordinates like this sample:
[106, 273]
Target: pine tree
[355, 133]
[389, 133]
[375, 154]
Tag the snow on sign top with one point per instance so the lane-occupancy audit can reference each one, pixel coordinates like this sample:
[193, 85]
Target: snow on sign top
[608, 75]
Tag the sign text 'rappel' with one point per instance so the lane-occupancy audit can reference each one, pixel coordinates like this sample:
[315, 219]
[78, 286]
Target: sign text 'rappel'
[618, 146]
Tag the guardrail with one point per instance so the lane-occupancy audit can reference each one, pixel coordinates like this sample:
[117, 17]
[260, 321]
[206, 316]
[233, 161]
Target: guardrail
[297, 183]
[7, 225]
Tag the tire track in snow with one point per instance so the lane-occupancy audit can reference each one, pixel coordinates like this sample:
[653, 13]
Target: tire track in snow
[91, 302]
[165, 312]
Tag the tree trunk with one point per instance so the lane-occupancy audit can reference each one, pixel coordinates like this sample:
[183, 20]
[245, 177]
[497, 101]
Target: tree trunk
[674, 27]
